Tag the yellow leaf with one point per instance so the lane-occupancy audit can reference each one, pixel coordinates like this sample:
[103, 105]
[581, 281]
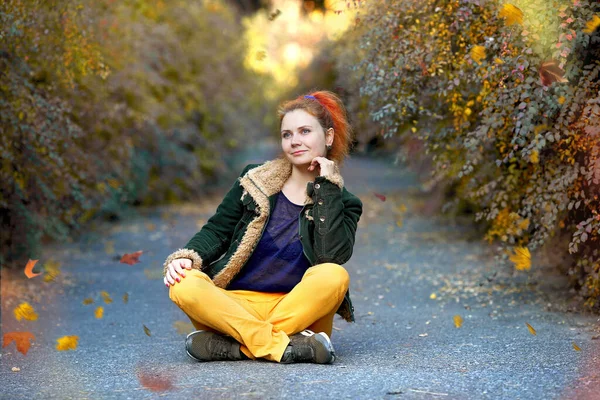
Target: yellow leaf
[87, 301]
[67, 343]
[125, 298]
[577, 348]
[531, 330]
[561, 100]
[521, 258]
[399, 223]
[535, 157]
[146, 330]
[498, 61]
[458, 321]
[52, 269]
[478, 53]
[106, 297]
[99, 312]
[25, 311]
[524, 224]
[592, 25]
[433, 296]
[512, 14]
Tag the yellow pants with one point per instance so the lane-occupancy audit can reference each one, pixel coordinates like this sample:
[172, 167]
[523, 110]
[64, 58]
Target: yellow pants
[262, 322]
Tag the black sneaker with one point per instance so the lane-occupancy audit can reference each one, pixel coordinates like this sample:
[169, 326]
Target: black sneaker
[210, 346]
[310, 347]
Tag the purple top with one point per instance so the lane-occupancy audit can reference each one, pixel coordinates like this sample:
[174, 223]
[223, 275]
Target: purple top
[278, 263]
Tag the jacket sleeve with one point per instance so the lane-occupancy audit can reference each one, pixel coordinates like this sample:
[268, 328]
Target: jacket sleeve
[336, 213]
[214, 238]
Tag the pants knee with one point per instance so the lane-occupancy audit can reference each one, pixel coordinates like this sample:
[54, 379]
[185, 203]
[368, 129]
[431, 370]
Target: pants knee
[335, 274]
[190, 284]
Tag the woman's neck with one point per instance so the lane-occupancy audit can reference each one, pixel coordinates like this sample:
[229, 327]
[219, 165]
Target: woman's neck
[301, 175]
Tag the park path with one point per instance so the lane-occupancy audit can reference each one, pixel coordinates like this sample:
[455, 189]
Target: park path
[410, 276]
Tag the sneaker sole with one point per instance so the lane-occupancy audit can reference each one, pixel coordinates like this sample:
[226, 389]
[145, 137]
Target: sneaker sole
[324, 354]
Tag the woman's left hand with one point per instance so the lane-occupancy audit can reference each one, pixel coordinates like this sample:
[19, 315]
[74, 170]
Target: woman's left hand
[326, 165]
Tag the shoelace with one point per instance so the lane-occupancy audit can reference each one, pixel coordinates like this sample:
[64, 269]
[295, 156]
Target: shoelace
[220, 348]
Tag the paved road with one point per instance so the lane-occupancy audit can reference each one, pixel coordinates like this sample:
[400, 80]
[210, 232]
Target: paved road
[404, 345]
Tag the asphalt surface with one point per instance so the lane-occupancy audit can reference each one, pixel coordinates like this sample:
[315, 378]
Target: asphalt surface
[411, 274]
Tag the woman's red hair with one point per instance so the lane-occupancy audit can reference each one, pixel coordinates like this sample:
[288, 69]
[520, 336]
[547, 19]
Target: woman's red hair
[329, 110]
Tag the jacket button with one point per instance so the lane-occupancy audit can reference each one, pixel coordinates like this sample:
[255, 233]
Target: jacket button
[322, 219]
[317, 186]
[320, 202]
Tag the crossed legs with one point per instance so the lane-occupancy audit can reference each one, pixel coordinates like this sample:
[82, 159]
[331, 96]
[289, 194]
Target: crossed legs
[263, 322]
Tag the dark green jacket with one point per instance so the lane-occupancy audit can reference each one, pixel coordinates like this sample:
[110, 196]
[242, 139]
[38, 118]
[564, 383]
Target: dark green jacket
[327, 225]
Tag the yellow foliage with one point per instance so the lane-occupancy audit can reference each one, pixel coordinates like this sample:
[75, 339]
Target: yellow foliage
[99, 312]
[592, 25]
[478, 53]
[512, 14]
[535, 157]
[458, 321]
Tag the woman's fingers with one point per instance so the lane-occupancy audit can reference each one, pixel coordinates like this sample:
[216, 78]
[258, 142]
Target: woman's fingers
[170, 275]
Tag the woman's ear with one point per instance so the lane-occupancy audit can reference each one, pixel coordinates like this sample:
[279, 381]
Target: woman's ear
[329, 134]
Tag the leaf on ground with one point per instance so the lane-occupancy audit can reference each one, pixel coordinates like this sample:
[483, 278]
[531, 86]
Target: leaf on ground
[458, 321]
[67, 343]
[577, 348]
[29, 269]
[25, 311]
[52, 269]
[125, 298]
[433, 296]
[106, 297]
[88, 301]
[15, 369]
[531, 330]
[109, 247]
[512, 14]
[379, 196]
[21, 340]
[99, 312]
[146, 330]
[521, 258]
[131, 258]
[274, 15]
[154, 382]
[183, 328]
[153, 274]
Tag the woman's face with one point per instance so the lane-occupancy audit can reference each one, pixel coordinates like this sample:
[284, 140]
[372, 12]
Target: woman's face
[303, 138]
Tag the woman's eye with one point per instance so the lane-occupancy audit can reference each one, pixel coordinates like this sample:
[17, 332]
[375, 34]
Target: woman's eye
[286, 135]
[305, 130]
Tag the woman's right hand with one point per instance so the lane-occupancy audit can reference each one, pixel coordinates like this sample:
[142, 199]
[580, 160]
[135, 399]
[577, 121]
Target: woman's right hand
[176, 268]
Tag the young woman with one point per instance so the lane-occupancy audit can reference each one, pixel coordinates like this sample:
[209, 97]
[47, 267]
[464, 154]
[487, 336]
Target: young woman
[264, 273]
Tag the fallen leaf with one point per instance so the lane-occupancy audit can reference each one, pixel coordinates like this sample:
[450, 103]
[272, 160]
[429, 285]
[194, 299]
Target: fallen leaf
[458, 321]
[577, 348]
[379, 196]
[15, 369]
[521, 258]
[21, 340]
[106, 297]
[534, 157]
[399, 223]
[423, 334]
[125, 298]
[99, 312]
[131, 258]
[550, 72]
[433, 296]
[29, 269]
[274, 15]
[183, 328]
[592, 25]
[87, 301]
[150, 380]
[146, 330]
[531, 330]
[67, 343]
[25, 311]
[512, 14]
